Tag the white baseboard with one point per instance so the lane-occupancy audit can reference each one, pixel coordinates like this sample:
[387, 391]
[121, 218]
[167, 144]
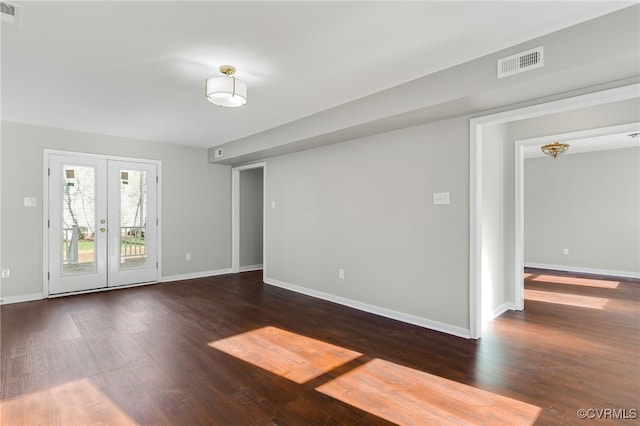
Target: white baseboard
[7, 300]
[388, 313]
[499, 310]
[610, 272]
[250, 268]
[193, 275]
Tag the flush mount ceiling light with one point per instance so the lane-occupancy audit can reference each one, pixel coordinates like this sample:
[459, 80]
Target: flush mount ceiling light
[226, 91]
[554, 149]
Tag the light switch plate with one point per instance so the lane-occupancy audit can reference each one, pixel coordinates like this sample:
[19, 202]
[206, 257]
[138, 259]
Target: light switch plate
[30, 201]
[440, 198]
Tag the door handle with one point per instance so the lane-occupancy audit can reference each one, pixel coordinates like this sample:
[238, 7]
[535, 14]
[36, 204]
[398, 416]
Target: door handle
[102, 229]
[102, 221]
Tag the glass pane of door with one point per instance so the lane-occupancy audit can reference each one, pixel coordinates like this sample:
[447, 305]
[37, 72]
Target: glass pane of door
[78, 255]
[133, 219]
[133, 224]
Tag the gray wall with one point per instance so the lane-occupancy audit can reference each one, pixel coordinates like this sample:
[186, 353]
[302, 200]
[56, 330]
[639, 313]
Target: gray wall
[366, 206]
[196, 202]
[588, 203]
[251, 217]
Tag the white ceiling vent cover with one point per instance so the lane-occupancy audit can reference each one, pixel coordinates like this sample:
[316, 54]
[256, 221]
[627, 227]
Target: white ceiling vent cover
[10, 12]
[521, 62]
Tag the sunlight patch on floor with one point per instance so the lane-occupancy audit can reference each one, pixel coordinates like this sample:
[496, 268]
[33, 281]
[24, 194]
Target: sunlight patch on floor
[551, 336]
[566, 299]
[290, 355]
[587, 282]
[398, 394]
[74, 403]
[406, 396]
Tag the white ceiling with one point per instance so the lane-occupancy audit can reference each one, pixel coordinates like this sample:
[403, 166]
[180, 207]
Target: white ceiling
[137, 69]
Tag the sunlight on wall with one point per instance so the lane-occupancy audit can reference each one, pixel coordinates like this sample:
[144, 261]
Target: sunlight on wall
[566, 299]
[486, 290]
[74, 403]
[290, 355]
[573, 281]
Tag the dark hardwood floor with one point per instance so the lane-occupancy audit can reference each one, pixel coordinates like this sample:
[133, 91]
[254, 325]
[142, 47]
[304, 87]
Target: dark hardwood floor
[230, 350]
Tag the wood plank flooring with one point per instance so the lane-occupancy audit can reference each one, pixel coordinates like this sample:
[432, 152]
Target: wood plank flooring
[231, 350]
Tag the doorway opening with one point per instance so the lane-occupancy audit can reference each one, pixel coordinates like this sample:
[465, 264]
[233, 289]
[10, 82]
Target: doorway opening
[480, 252]
[597, 139]
[248, 218]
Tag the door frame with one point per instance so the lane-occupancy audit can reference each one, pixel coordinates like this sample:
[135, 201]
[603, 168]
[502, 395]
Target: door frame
[235, 215]
[476, 126]
[45, 215]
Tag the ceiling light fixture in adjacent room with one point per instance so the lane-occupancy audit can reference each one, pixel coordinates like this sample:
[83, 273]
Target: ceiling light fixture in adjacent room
[554, 149]
[226, 91]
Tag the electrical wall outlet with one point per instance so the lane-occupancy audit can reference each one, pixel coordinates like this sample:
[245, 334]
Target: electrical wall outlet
[341, 274]
[566, 252]
[5, 273]
[187, 256]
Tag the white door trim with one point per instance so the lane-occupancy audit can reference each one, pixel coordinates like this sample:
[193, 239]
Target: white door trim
[475, 168]
[235, 215]
[45, 210]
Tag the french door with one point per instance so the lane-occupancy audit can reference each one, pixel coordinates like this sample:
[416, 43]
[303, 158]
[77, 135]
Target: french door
[102, 223]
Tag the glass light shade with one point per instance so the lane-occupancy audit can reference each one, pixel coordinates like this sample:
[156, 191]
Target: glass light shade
[226, 91]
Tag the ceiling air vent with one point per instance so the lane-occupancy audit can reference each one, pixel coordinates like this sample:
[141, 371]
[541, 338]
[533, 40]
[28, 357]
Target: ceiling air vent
[521, 62]
[10, 12]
